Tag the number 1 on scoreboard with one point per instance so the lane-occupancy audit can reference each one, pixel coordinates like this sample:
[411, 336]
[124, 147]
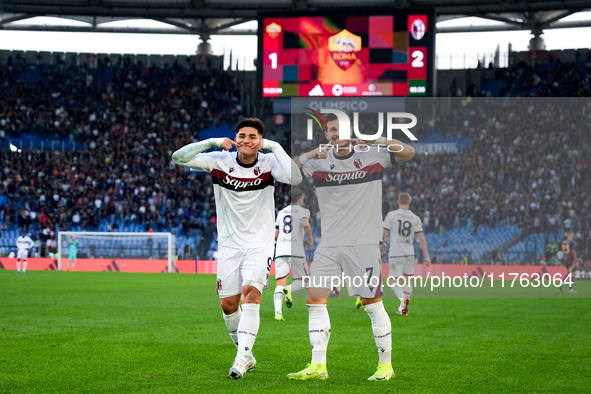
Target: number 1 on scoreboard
[273, 57]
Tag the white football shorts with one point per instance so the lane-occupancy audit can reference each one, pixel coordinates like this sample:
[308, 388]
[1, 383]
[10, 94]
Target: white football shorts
[22, 254]
[401, 265]
[357, 267]
[298, 266]
[242, 267]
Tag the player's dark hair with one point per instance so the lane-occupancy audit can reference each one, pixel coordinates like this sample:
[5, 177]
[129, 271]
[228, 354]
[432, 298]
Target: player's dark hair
[251, 122]
[296, 194]
[330, 116]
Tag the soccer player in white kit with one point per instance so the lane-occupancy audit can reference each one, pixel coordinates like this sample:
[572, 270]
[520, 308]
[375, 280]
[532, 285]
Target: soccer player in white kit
[291, 224]
[23, 243]
[349, 191]
[403, 225]
[243, 184]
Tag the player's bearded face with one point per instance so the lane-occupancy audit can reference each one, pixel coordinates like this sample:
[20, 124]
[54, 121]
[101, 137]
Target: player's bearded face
[332, 135]
[248, 141]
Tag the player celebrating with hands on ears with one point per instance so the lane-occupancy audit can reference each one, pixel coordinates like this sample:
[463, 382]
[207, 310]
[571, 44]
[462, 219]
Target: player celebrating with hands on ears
[243, 183]
[349, 191]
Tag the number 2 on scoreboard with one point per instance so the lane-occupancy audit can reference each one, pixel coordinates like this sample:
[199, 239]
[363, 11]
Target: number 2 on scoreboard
[273, 57]
[417, 59]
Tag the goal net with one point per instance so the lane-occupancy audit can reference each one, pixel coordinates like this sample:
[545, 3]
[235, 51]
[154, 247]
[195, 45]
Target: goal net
[114, 245]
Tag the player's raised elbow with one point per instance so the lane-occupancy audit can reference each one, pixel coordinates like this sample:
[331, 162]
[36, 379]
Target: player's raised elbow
[296, 178]
[177, 157]
[406, 154]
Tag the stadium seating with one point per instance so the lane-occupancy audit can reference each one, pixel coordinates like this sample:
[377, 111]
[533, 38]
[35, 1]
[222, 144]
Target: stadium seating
[71, 108]
[117, 125]
[532, 247]
[463, 241]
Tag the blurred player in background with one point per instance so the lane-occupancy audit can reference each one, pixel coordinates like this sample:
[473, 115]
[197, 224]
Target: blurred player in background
[402, 225]
[349, 191]
[243, 185]
[72, 252]
[569, 259]
[23, 243]
[291, 225]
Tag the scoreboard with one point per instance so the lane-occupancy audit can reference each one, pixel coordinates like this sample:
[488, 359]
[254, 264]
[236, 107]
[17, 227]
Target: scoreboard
[340, 55]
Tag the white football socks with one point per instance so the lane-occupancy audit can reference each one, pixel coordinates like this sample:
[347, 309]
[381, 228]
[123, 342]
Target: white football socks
[319, 330]
[18, 265]
[248, 327]
[278, 299]
[25, 266]
[399, 293]
[382, 330]
[232, 325]
[408, 290]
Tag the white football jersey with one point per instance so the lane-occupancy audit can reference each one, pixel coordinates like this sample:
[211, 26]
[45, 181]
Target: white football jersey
[403, 225]
[290, 241]
[244, 200]
[349, 192]
[24, 243]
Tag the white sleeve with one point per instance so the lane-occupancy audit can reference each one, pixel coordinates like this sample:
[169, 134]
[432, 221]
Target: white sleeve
[189, 155]
[305, 213]
[387, 222]
[287, 170]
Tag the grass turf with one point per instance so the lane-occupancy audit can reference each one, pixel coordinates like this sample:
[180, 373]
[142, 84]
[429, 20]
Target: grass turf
[122, 332]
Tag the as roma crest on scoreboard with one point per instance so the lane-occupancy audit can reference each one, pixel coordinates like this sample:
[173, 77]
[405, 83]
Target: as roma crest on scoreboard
[344, 47]
[273, 30]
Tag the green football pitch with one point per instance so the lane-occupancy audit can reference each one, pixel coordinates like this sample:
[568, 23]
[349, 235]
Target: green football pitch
[124, 332]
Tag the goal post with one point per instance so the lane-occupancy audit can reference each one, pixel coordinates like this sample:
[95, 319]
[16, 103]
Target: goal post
[117, 245]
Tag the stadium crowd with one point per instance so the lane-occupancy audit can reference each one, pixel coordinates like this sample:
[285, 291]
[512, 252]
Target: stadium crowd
[558, 79]
[131, 118]
[528, 163]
